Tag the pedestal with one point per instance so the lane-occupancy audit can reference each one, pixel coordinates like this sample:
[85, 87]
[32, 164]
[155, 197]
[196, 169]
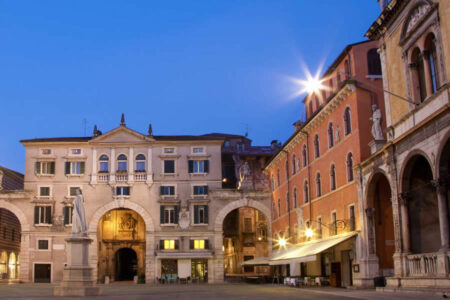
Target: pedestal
[77, 276]
[376, 145]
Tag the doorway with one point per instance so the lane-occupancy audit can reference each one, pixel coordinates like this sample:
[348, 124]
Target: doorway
[126, 264]
[42, 273]
[199, 270]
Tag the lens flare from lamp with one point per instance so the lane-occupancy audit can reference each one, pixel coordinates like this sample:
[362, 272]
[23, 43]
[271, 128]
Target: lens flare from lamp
[282, 242]
[309, 233]
[313, 85]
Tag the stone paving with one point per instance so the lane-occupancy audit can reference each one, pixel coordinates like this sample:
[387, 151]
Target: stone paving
[205, 291]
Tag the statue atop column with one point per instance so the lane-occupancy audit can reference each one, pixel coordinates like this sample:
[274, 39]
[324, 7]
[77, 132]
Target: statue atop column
[79, 225]
[245, 180]
[376, 118]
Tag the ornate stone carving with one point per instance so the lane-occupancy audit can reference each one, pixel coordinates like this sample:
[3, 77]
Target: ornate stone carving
[415, 16]
[183, 218]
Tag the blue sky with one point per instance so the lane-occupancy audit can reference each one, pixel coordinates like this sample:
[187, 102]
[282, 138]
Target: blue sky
[188, 67]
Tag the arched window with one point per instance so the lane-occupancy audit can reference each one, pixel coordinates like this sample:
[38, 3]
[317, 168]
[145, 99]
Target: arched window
[294, 167]
[333, 177]
[433, 65]
[330, 135]
[316, 146]
[278, 178]
[274, 212]
[418, 76]
[317, 102]
[318, 185]
[295, 197]
[304, 156]
[306, 192]
[286, 168]
[104, 163]
[273, 183]
[347, 121]
[122, 163]
[350, 167]
[140, 163]
[373, 62]
[288, 206]
[279, 207]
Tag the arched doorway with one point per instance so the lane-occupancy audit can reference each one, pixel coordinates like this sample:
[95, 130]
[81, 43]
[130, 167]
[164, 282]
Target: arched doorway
[245, 237]
[126, 264]
[10, 236]
[121, 245]
[381, 219]
[423, 213]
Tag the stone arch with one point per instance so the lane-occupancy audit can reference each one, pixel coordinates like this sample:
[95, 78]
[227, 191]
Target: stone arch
[237, 204]
[95, 219]
[373, 176]
[406, 162]
[18, 212]
[440, 153]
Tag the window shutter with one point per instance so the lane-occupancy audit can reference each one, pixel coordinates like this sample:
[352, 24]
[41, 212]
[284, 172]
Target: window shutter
[176, 208]
[172, 190]
[177, 244]
[206, 244]
[66, 214]
[206, 190]
[191, 166]
[67, 168]
[161, 244]
[48, 215]
[36, 215]
[206, 214]
[195, 214]
[206, 166]
[37, 167]
[161, 190]
[191, 244]
[161, 216]
[82, 167]
[52, 167]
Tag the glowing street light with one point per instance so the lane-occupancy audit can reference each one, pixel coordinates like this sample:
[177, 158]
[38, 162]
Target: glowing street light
[282, 242]
[309, 233]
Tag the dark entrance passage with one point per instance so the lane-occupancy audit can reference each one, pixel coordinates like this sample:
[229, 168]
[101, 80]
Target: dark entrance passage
[126, 264]
[42, 273]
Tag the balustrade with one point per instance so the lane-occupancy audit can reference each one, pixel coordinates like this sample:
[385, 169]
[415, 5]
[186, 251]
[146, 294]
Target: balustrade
[422, 264]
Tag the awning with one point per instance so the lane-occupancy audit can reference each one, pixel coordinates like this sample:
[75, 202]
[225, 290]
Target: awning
[259, 261]
[308, 251]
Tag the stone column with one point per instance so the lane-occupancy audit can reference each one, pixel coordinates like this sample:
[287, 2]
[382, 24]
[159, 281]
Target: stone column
[441, 190]
[25, 262]
[94, 167]
[426, 66]
[149, 166]
[387, 102]
[131, 166]
[405, 222]
[112, 177]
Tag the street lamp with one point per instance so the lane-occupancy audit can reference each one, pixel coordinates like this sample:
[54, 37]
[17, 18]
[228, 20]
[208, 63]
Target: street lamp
[309, 233]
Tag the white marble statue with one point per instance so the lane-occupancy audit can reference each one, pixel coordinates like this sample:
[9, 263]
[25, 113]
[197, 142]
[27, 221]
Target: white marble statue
[79, 225]
[377, 132]
[244, 171]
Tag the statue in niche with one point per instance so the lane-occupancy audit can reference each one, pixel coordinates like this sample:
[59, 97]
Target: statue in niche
[377, 132]
[79, 225]
[183, 218]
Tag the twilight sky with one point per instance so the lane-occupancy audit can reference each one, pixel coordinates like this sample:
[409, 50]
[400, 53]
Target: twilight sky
[188, 67]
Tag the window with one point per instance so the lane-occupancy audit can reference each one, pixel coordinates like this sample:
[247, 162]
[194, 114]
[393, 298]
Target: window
[318, 185]
[352, 220]
[45, 167]
[167, 190]
[67, 214]
[42, 215]
[42, 244]
[198, 166]
[279, 207]
[140, 163]
[432, 62]
[104, 164]
[349, 167]
[200, 214]
[316, 146]
[169, 150]
[199, 244]
[169, 214]
[122, 163]
[304, 156]
[330, 135]
[169, 166]
[76, 151]
[294, 167]
[273, 183]
[240, 147]
[333, 177]
[74, 167]
[333, 227]
[347, 121]
[295, 197]
[73, 191]
[200, 190]
[286, 168]
[46, 151]
[197, 150]
[44, 191]
[306, 192]
[288, 206]
[417, 70]
[319, 227]
[122, 191]
[169, 245]
[278, 177]
[373, 62]
[274, 213]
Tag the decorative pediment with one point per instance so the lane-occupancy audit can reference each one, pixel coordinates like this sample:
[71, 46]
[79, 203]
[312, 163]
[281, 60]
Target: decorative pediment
[120, 135]
[415, 16]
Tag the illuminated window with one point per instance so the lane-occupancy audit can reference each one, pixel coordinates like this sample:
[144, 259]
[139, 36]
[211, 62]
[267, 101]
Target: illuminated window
[169, 244]
[199, 244]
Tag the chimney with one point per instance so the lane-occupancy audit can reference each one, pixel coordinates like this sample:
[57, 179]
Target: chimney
[297, 125]
[383, 4]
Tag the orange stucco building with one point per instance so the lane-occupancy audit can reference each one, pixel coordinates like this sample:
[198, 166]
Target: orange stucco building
[314, 194]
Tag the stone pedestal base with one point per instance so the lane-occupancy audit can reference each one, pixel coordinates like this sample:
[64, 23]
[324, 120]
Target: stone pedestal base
[376, 145]
[77, 276]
